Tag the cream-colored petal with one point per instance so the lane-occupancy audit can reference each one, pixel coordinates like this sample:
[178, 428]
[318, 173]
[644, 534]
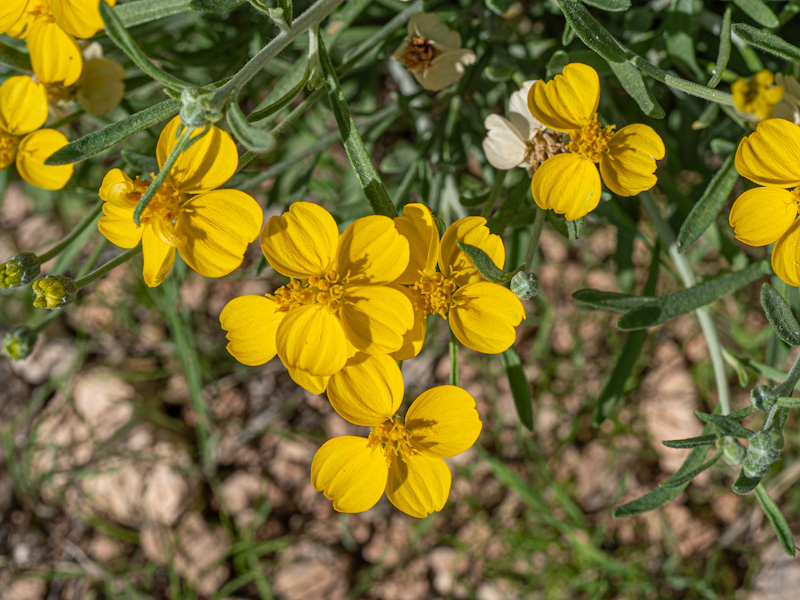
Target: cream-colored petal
[503, 145]
[567, 183]
[761, 215]
[519, 114]
[429, 27]
[443, 422]
[771, 155]
[158, 257]
[368, 390]
[444, 70]
[311, 339]
[629, 165]
[350, 473]
[484, 317]
[33, 150]
[251, 324]
[101, 86]
[420, 486]
[23, 105]
[376, 317]
[418, 227]
[372, 251]
[568, 101]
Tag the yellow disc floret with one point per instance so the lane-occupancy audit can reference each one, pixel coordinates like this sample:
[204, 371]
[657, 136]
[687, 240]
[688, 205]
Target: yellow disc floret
[436, 293]
[393, 438]
[8, 149]
[327, 290]
[591, 140]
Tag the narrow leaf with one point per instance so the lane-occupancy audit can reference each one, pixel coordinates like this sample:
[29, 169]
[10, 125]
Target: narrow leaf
[724, 54]
[788, 402]
[767, 41]
[113, 134]
[632, 81]
[281, 102]
[744, 484]
[610, 300]
[569, 229]
[485, 265]
[591, 32]
[710, 203]
[144, 11]
[695, 442]
[741, 414]
[674, 482]
[253, 138]
[759, 12]
[499, 7]
[780, 315]
[11, 57]
[725, 425]
[520, 389]
[610, 5]
[120, 36]
[685, 301]
[142, 163]
[776, 519]
[213, 6]
[707, 117]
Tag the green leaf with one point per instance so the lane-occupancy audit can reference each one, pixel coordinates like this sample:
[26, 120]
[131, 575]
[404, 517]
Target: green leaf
[788, 402]
[632, 81]
[368, 177]
[281, 102]
[724, 54]
[710, 203]
[707, 117]
[253, 138]
[484, 264]
[695, 442]
[776, 519]
[780, 315]
[610, 5]
[113, 134]
[120, 36]
[499, 7]
[569, 229]
[144, 11]
[722, 147]
[741, 414]
[213, 6]
[725, 425]
[744, 484]
[591, 32]
[11, 57]
[610, 300]
[674, 482]
[759, 12]
[685, 301]
[142, 163]
[767, 41]
[519, 387]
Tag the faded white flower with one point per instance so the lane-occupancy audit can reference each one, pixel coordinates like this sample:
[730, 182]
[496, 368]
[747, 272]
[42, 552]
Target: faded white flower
[432, 52]
[789, 106]
[102, 83]
[520, 141]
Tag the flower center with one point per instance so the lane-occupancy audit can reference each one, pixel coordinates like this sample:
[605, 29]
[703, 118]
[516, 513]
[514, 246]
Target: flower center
[327, 290]
[58, 93]
[40, 9]
[161, 212]
[419, 54]
[394, 440]
[8, 149]
[436, 294]
[591, 140]
[544, 144]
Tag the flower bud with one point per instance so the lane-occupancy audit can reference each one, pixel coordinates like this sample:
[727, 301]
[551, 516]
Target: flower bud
[54, 292]
[761, 453]
[762, 397]
[18, 270]
[733, 452]
[198, 108]
[525, 285]
[18, 342]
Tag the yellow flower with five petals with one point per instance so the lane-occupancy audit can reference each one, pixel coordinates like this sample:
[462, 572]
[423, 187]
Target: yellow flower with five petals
[402, 457]
[338, 299]
[569, 183]
[210, 228]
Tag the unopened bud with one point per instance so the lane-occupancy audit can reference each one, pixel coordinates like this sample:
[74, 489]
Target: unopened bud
[525, 285]
[198, 108]
[18, 270]
[733, 452]
[54, 292]
[762, 397]
[18, 342]
[761, 453]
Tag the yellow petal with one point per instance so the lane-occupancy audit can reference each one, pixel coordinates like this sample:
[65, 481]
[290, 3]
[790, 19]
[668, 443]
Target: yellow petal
[80, 18]
[628, 166]
[206, 165]
[786, 255]
[453, 262]
[101, 86]
[33, 150]
[761, 215]
[368, 391]
[301, 242]
[10, 12]
[23, 105]
[414, 337]
[418, 227]
[218, 227]
[568, 101]
[376, 317]
[312, 383]
[311, 338]
[371, 250]
[251, 324]
[116, 189]
[158, 258]
[771, 155]
[443, 422]
[118, 226]
[55, 55]
[420, 486]
[484, 317]
[349, 473]
[567, 183]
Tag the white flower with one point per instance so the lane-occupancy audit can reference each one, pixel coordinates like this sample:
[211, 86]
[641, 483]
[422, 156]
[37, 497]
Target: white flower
[432, 52]
[520, 141]
[789, 107]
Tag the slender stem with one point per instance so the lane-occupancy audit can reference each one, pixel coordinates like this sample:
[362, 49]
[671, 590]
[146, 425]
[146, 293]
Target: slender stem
[496, 187]
[770, 418]
[52, 316]
[85, 222]
[706, 323]
[787, 386]
[453, 358]
[533, 242]
[103, 269]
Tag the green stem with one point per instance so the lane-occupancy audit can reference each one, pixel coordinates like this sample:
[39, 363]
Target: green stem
[59, 248]
[40, 326]
[787, 386]
[706, 323]
[533, 242]
[496, 187]
[453, 347]
[103, 269]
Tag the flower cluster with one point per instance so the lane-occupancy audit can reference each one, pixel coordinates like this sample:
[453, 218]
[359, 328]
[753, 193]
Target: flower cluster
[757, 96]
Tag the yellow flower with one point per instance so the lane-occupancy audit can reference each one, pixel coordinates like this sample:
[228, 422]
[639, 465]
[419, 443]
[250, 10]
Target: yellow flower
[210, 230]
[770, 157]
[757, 96]
[569, 183]
[23, 109]
[102, 83]
[336, 302]
[50, 28]
[402, 457]
[481, 314]
[432, 52]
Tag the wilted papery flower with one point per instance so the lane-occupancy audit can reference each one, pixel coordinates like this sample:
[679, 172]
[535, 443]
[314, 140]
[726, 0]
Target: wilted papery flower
[789, 106]
[432, 52]
[520, 140]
